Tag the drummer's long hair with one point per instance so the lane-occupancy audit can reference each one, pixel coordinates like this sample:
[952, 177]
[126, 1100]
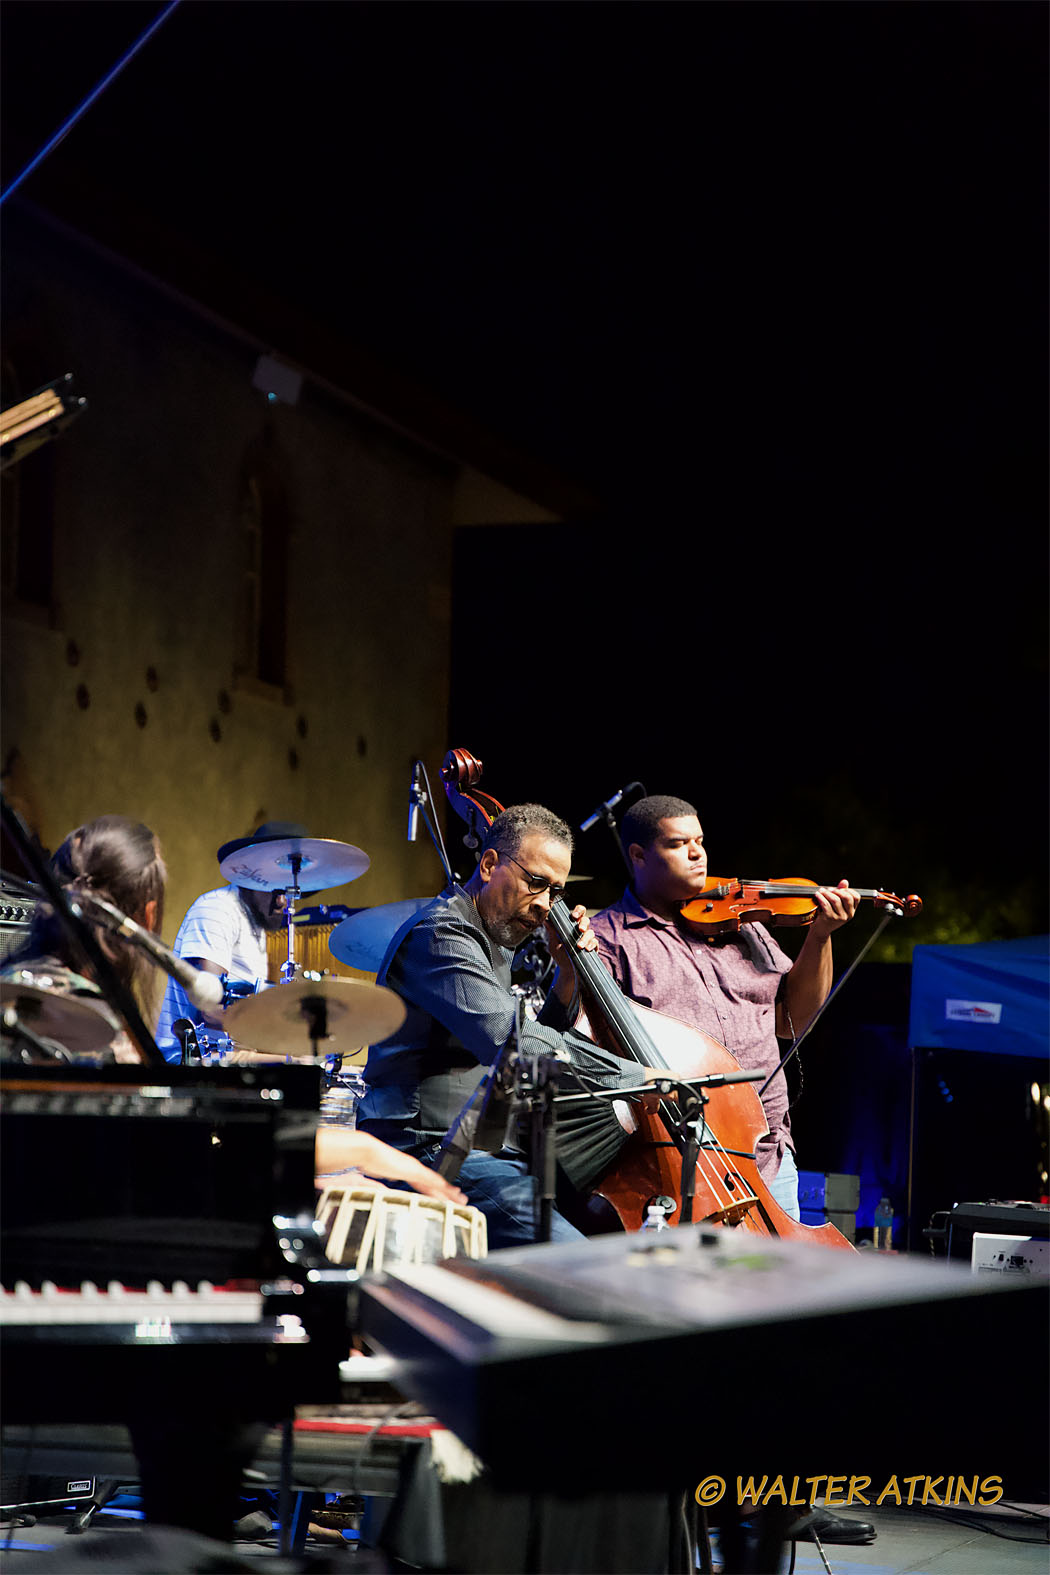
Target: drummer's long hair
[119, 860]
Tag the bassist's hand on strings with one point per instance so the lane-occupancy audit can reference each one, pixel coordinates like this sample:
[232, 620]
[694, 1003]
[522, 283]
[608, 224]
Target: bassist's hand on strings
[586, 941]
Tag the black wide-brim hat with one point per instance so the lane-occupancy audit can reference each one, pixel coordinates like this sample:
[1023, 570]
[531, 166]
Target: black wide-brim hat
[269, 831]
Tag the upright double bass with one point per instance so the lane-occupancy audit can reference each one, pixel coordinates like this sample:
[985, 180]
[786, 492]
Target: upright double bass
[726, 1185]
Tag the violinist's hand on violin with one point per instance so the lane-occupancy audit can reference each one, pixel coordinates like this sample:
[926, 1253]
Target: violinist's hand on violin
[836, 906]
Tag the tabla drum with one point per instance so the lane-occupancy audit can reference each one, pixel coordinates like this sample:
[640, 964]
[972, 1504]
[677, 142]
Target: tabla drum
[372, 1227]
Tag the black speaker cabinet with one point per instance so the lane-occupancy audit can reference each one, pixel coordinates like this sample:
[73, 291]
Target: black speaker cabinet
[41, 1493]
[978, 1133]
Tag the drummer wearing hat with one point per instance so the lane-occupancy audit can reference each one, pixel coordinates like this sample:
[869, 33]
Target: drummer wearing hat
[224, 931]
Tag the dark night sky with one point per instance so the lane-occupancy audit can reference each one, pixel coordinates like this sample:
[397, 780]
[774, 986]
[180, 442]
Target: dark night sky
[769, 279]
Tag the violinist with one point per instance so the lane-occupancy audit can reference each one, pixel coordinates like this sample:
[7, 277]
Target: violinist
[452, 966]
[742, 989]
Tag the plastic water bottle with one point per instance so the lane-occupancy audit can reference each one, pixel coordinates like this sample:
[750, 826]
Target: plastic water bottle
[884, 1226]
[656, 1213]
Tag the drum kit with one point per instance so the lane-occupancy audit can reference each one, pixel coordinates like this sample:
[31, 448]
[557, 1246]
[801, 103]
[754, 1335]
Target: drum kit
[315, 1017]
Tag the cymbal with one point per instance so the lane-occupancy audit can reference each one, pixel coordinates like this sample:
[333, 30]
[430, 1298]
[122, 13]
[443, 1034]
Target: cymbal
[347, 1014]
[269, 866]
[80, 1023]
[361, 940]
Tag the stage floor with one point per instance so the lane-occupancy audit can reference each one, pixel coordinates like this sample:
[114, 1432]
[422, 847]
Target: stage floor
[909, 1541]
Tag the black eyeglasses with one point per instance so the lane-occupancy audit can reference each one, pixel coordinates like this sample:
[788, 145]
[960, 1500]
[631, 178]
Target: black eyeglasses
[537, 883]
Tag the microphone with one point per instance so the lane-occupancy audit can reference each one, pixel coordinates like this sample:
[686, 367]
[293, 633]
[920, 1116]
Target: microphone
[206, 991]
[720, 1079]
[414, 800]
[608, 804]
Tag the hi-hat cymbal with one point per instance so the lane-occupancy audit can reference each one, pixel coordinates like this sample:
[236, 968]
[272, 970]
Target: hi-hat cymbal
[361, 940]
[80, 1023]
[310, 1017]
[311, 863]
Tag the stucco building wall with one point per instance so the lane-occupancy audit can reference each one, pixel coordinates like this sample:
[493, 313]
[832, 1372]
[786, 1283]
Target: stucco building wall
[124, 694]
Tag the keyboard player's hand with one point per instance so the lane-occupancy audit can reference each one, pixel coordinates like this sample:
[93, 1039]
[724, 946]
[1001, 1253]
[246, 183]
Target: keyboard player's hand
[344, 1148]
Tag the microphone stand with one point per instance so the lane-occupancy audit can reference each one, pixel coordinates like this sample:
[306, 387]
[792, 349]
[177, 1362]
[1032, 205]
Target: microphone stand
[459, 1139]
[530, 1081]
[605, 813]
[691, 1102]
[610, 820]
[82, 937]
[292, 894]
[420, 797]
[535, 1082]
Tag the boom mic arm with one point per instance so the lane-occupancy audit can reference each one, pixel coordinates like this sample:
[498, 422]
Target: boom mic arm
[206, 991]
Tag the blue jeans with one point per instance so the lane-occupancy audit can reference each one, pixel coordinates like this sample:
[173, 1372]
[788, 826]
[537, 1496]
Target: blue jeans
[507, 1196]
[784, 1186]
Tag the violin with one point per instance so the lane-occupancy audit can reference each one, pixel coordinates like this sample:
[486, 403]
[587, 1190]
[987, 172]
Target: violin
[724, 905]
[728, 1189]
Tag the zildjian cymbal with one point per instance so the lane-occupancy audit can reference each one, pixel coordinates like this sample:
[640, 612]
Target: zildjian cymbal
[309, 863]
[311, 1017]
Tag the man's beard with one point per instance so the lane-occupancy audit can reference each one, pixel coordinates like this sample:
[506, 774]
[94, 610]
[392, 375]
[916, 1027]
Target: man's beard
[274, 918]
[509, 932]
[262, 913]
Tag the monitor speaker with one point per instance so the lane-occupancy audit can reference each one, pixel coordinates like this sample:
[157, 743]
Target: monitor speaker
[33, 1491]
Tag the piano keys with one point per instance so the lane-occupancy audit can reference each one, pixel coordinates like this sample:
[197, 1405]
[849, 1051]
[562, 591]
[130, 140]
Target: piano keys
[158, 1239]
[115, 1307]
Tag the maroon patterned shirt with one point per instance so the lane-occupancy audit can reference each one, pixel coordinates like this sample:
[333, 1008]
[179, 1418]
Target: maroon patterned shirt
[726, 987]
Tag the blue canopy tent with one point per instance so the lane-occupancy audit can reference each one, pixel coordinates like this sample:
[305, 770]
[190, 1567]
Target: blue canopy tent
[979, 1035]
[993, 996]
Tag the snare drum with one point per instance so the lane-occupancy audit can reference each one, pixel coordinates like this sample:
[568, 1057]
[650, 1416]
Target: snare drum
[372, 1227]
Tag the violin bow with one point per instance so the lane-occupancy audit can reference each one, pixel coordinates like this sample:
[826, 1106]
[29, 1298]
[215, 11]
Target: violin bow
[888, 914]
